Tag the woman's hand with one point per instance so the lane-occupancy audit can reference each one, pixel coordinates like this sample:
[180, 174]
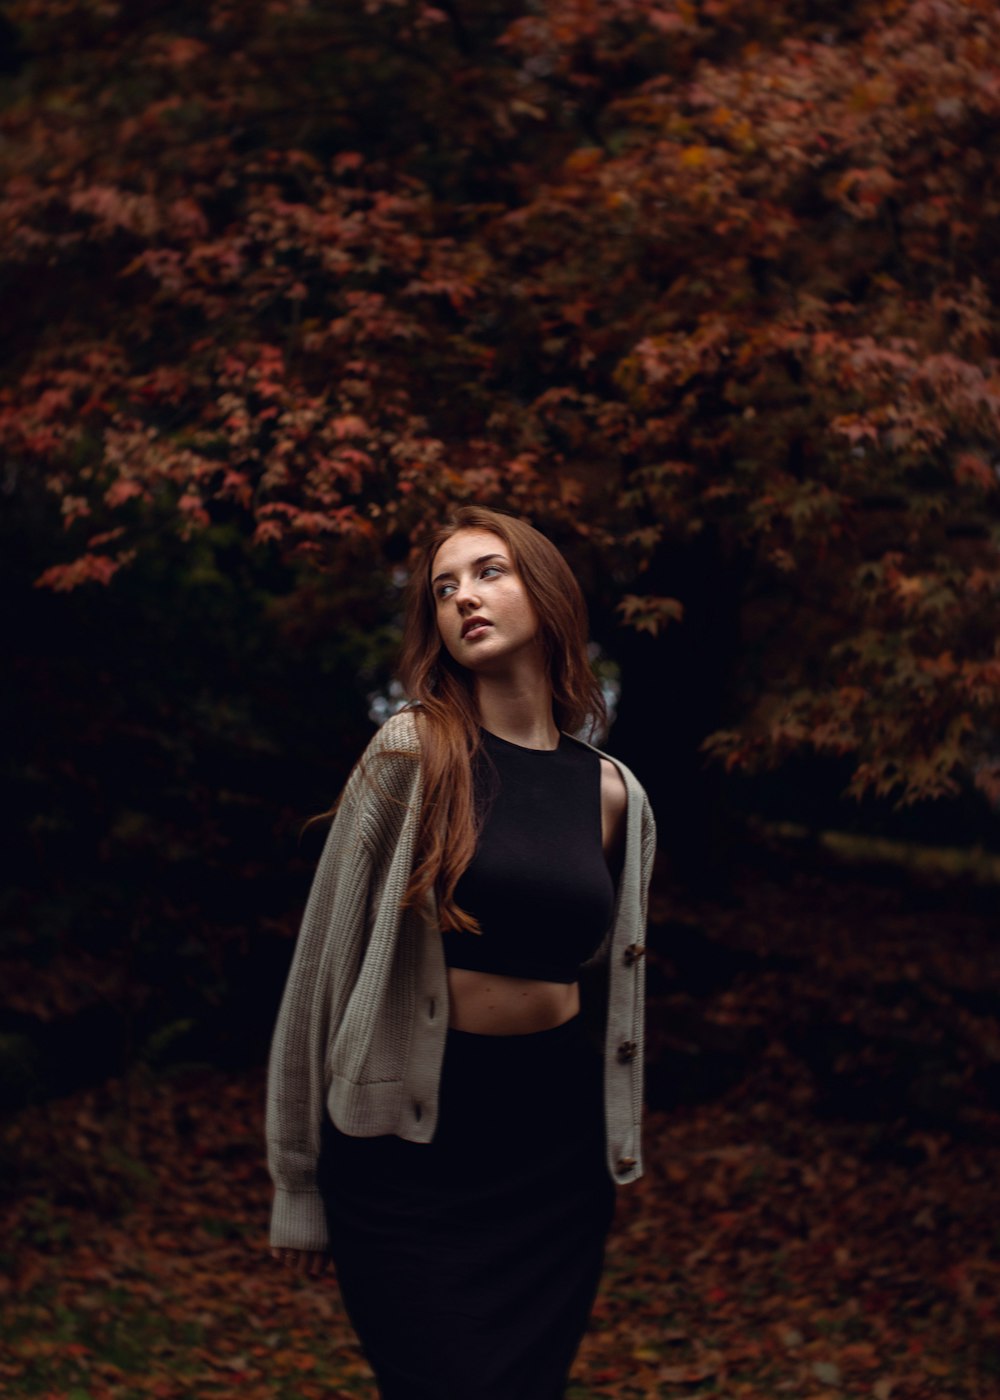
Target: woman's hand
[303, 1261]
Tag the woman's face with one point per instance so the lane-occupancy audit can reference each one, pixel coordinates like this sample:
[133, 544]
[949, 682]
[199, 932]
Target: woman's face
[484, 614]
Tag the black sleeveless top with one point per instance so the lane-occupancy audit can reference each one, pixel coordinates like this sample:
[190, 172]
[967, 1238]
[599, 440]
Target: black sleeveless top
[538, 883]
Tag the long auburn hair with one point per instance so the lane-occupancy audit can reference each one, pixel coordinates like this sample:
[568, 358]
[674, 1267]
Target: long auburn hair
[443, 694]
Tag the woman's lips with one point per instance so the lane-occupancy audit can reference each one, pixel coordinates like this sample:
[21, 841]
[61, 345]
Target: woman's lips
[476, 631]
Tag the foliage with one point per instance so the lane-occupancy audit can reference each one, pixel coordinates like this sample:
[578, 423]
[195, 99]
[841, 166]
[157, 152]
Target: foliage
[634, 269]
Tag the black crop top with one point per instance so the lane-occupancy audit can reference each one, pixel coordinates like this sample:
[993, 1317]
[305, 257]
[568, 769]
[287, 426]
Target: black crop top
[538, 883]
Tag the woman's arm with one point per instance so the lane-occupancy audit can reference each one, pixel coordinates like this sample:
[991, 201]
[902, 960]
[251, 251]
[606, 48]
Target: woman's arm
[614, 807]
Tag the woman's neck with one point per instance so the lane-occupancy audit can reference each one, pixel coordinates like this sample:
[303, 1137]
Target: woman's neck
[519, 712]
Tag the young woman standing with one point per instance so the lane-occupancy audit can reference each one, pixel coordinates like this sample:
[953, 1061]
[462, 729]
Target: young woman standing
[455, 1078]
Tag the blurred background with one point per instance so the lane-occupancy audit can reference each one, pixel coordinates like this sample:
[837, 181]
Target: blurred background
[709, 293]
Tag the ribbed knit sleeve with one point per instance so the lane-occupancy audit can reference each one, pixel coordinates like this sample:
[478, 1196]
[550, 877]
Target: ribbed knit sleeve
[324, 967]
[647, 855]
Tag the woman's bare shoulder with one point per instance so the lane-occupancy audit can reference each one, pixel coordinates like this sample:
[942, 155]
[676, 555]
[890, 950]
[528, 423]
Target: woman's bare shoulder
[614, 804]
[614, 794]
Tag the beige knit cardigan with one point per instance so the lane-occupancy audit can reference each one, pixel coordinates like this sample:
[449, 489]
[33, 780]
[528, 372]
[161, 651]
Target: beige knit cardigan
[361, 1028]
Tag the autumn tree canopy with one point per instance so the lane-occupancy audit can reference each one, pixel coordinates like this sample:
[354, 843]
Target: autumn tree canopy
[645, 270]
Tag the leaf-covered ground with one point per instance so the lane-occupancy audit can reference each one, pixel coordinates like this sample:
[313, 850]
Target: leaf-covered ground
[773, 1248]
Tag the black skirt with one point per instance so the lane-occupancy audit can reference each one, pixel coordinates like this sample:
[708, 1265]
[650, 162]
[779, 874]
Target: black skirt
[469, 1265]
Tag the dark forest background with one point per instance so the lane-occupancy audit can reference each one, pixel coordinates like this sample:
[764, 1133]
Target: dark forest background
[709, 292]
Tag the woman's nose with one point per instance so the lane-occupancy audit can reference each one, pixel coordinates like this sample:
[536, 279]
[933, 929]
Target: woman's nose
[465, 594]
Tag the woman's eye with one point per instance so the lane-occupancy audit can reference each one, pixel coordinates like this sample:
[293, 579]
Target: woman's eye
[443, 589]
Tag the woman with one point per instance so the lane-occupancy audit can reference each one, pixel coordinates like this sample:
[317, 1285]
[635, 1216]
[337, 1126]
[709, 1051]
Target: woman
[455, 1079]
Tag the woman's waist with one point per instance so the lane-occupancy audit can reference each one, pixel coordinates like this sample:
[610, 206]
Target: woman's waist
[497, 1004]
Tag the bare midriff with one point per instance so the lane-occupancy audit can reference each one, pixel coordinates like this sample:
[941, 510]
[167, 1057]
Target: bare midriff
[489, 1004]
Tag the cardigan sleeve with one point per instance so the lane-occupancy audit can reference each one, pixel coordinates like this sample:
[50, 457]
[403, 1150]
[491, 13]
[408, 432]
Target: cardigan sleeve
[648, 855]
[324, 966]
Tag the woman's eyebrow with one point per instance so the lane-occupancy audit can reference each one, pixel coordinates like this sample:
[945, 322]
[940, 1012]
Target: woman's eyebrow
[481, 560]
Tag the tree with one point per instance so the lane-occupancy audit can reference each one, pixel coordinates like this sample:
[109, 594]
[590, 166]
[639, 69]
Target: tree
[648, 272]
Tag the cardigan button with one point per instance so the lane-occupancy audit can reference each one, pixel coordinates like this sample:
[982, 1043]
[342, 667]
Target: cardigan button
[625, 1164]
[626, 1051]
[633, 953]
